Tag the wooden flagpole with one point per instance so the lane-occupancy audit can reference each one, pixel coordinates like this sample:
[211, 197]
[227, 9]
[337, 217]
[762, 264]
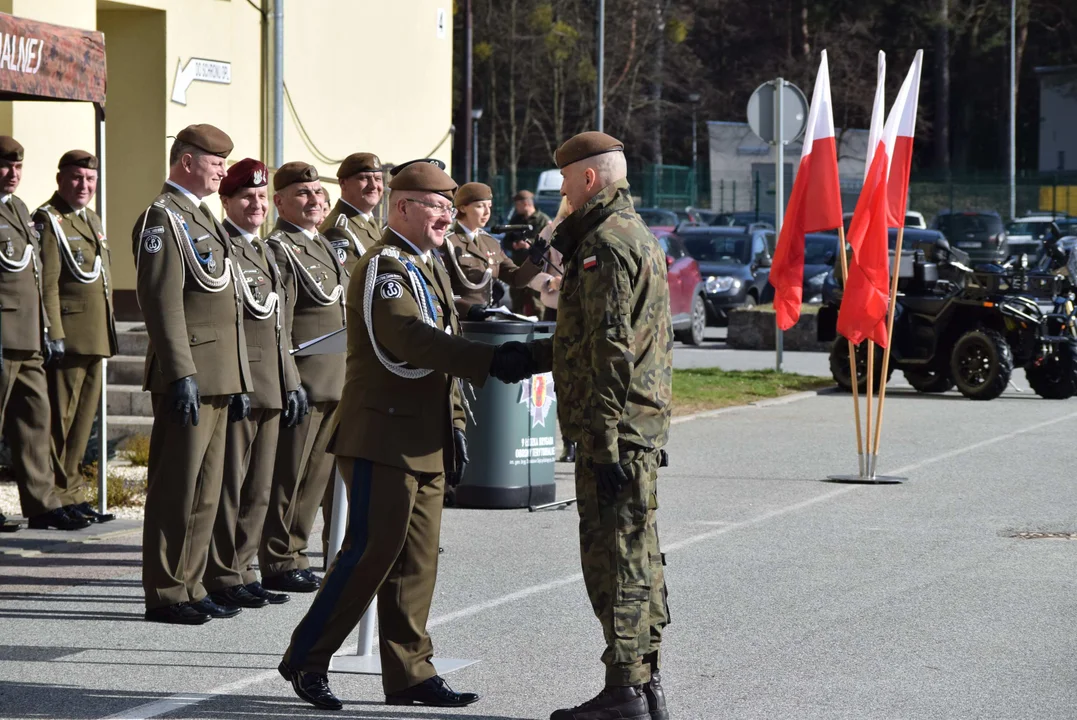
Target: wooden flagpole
[852, 358]
[871, 382]
[886, 354]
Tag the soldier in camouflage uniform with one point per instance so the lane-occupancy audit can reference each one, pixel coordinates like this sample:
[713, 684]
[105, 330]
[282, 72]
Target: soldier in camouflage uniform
[611, 357]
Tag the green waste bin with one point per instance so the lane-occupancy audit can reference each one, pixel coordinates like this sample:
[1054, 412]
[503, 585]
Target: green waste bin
[511, 438]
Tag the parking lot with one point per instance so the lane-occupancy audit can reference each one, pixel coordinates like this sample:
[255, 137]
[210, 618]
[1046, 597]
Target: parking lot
[790, 597]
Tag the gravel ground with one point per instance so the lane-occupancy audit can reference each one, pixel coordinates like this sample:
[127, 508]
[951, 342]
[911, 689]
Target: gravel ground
[9, 493]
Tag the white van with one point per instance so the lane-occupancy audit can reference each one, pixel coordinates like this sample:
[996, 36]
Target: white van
[549, 184]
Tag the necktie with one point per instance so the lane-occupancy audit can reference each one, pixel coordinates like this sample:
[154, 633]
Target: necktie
[209, 214]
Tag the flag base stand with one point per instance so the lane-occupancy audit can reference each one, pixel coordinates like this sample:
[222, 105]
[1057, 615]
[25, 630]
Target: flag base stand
[866, 479]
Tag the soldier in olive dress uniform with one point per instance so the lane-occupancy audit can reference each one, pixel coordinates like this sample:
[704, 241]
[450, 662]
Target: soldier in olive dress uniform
[475, 259]
[251, 445]
[76, 261]
[350, 226]
[315, 281]
[196, 371]
[24, 405]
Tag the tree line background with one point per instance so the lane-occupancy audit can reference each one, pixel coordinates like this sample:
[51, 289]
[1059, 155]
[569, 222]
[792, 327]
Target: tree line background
[534, 71]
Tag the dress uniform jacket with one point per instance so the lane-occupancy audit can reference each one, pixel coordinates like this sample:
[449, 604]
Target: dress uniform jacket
[315, 281]
[24, 386]
[475, 261]
[349, 233]
[193, 311]
[393, 442]
[251, 446]
[75, 259]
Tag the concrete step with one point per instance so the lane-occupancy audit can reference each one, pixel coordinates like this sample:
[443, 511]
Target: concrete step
[133, 343]
[122, 426]
[126, 369]
[129, 400]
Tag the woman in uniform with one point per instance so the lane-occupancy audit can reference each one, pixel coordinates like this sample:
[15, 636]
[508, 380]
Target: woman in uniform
[475, 259]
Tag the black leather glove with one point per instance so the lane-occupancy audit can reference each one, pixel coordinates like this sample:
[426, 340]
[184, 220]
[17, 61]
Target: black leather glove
[184, 398]
[476, 313]
[303, 403]
[453, 478]
[291, 409]
[537, 251]
[663, 458]
[239, 407]
[611, 479]
[54, 351]
[512, 362]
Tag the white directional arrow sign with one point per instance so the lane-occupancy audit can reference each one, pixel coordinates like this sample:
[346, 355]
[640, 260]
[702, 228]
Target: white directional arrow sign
[214, 71]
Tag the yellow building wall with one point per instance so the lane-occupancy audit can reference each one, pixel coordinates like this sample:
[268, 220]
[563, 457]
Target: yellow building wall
[348, 95]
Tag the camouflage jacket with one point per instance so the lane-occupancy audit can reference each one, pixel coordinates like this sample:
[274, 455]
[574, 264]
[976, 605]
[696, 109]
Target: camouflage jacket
[612, 351]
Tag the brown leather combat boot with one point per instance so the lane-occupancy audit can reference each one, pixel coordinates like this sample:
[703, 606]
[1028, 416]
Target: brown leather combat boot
[613, 703]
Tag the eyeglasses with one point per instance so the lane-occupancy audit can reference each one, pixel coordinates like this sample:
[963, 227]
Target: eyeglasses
[438, 208]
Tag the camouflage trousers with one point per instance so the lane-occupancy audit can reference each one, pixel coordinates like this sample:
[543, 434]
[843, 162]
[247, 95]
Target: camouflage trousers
[622, 565]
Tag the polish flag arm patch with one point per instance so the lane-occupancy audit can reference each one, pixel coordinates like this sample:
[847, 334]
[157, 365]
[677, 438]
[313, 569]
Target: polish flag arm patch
[590, 263]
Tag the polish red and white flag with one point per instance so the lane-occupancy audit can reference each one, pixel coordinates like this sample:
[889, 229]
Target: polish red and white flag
[814, 204]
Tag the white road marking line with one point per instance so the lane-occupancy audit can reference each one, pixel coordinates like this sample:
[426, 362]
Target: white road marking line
[182, 700]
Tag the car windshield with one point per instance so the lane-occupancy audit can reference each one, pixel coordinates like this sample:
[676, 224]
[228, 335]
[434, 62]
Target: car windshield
[719, 248]
[816, 249]
[957, 224]
[658, 218]
[1035, 229]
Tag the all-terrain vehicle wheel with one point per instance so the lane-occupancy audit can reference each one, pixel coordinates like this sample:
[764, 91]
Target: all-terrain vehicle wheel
[929, 381]
[1055, 377]
[981, 364]
[839, 366]
[693, 335]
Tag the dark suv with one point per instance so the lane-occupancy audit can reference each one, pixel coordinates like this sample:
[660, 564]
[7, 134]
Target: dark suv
[978, 233]
[735, 265]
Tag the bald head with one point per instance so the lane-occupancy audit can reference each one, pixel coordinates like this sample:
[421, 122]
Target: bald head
[586, 178]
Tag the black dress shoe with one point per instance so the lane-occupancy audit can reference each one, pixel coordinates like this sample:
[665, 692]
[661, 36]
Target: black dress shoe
[8, 525]
[87, 511]
[309, 575]
[237, 596]
[434, 692]
[59, 519]
[312, 687]
[290, 581]
[218, 612]
[178, 614]
[255, 588]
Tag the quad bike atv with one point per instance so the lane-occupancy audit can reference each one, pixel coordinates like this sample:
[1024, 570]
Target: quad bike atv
[971, 329]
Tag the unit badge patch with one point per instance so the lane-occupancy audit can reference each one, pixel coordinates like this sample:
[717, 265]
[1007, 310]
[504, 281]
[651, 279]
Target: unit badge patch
[391, 290]
[152, 244]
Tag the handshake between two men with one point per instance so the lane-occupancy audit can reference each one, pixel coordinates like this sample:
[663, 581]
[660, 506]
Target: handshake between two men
[513, 362]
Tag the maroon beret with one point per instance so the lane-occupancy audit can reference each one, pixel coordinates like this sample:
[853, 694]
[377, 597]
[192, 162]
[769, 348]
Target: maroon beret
[247, 173]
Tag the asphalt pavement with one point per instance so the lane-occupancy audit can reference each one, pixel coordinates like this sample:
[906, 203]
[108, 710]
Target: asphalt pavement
[790, 597]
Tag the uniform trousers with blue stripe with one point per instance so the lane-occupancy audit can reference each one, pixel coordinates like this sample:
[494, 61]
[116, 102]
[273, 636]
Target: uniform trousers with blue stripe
[390, 551]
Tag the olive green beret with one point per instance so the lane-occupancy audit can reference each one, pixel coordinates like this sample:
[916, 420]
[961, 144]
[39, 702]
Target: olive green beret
[472, 192]
[208, 138]
[423, 176]
[10, 149]
[585, 145]
[357, 163]
[78, 158]
[294, 172]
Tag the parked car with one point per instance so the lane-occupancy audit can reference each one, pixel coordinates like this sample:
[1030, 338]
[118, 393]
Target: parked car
[977, 232]
[914, 219]
[743, 218]
[659, 219]
[820, 250]
[735, 264]
[1025, 235]
[687, 301]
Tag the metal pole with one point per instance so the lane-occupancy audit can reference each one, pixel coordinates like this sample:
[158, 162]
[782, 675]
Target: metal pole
[695, 147]
[1013, 109]
[278, 83]
[339, 521]
[600, 64]
[468, 98]
[779, 200]
[102, 412]
[475, 149]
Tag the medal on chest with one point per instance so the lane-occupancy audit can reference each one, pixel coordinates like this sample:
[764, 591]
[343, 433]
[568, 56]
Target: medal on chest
[9, 249]
[79, 257]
